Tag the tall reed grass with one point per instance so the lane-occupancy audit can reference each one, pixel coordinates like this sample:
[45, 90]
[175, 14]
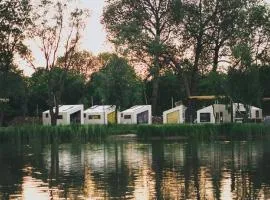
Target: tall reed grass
[206, 131]
[84, 133]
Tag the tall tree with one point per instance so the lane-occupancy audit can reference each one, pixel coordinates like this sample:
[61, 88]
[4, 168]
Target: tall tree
[14, 22]
[116, 83]
[83, 62]
[57, 30]
[74, 83]
[142, 26]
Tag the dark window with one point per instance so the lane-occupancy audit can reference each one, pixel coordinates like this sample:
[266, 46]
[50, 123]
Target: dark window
[94, 117]
[60, 117]
[142, 118]
[257, 114]
[84, 115]
[127, 116]
[205, 117]
[221, 117]
[47, 115]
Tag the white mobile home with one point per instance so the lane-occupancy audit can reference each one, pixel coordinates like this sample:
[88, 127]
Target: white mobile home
[140, 114]
[100, 115]
[255, 114]
[68, 114]
[216, 113]
[175, 115]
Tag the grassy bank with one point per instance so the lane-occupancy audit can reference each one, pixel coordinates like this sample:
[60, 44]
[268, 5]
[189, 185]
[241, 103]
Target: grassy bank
[206, 131]
[95, 132]
[63, 133]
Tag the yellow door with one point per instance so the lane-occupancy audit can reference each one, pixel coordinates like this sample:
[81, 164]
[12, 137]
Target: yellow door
[173, 117]
[111, 118]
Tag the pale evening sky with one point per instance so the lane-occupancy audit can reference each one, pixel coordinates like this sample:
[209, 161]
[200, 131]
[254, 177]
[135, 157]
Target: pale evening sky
[94, 38]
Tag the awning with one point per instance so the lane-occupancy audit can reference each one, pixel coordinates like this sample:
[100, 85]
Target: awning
[210, 97]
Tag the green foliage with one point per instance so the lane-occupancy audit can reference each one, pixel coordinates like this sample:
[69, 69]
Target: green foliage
[13, 87]
[243, 85]
[73, 83]
[117, 84]
[213, 83]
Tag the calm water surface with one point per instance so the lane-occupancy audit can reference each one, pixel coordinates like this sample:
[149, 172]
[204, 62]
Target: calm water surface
[135, 170]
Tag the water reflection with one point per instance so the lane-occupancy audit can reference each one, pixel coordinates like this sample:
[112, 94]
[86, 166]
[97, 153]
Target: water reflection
[133, 170]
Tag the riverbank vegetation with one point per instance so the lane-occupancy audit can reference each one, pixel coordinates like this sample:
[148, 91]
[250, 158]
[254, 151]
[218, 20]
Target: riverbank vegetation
[87, 133]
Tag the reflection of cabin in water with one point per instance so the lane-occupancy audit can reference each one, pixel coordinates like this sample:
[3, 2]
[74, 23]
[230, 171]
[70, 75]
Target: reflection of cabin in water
[140, 114]
[68, 114]
[175, 115]
[100, 115]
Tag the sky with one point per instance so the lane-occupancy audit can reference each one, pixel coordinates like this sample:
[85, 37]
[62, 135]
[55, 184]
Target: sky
[94, 37]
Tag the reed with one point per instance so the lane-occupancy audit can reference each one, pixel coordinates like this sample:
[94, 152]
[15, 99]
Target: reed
[85, 133]
[206, 131]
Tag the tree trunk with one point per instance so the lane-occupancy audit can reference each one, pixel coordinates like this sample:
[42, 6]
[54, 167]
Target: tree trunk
[53, 118]
[215, 58]
[155, 94]
[1, 118]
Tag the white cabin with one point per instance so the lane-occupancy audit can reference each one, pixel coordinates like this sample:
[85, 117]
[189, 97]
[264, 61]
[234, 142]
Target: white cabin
[68, 114]
[216, 113]
[219, 113]
[140, 114]
[104, 114]
[255, 114]
[175, 115]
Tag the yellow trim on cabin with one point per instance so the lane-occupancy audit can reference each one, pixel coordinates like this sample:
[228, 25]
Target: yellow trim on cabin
[173, 117]
[111, 118]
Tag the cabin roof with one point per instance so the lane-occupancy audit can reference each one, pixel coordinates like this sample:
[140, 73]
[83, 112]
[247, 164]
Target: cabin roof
[66, 108]
[134, 108]
[98, 108]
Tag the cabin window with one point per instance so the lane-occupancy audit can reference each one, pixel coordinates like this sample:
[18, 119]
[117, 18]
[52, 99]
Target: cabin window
[47, 115]
[205, 117]
[60, 117]
[84, 115]
[127, 116]
[94, 117]
[257, 114]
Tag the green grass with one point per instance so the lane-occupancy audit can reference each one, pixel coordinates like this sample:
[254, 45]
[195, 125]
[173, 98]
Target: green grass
[87, 133]
[206, 131]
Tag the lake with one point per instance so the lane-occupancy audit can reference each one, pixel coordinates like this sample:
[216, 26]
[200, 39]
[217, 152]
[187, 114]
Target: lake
[135, 170]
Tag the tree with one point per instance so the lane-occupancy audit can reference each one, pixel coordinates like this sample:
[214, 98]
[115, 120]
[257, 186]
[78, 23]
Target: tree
[82, 62]
[74, 83]
[14, 22]
[13, 88]
[57, 30]
[116, 83]
[243, 83]
[143, 27]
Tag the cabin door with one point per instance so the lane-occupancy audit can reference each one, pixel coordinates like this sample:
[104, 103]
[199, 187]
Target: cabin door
[142, 118]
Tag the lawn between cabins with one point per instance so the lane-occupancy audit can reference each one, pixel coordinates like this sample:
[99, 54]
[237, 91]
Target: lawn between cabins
[85, 133]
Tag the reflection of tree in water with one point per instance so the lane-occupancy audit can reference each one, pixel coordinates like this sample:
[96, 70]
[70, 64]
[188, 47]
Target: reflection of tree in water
[15, 162]
[11, 161]
[157, 166]
[117, 179]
